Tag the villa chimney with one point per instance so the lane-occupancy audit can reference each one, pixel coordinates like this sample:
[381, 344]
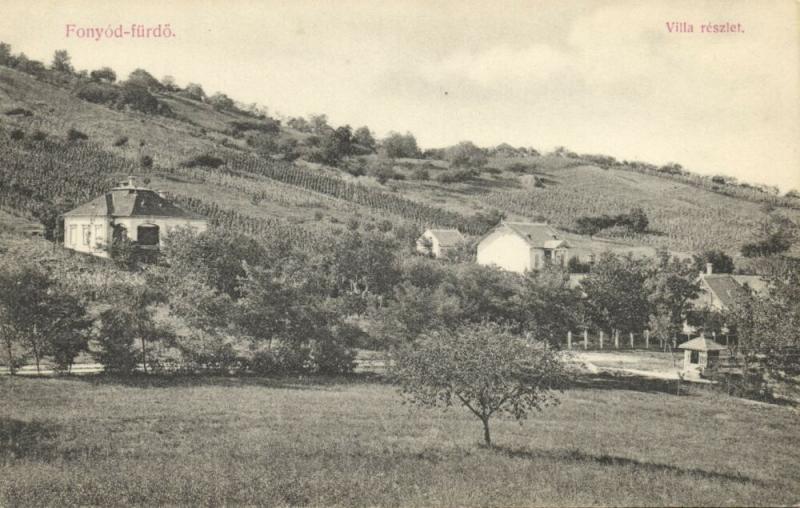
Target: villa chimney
[131, 181]
[709, 268]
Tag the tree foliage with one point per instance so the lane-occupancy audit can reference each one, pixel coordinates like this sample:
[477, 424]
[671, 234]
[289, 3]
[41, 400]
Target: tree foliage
[397, 145]
[103, 74]
[39, 317]
[62, 62]
[466, 154]
[720, 262]
[616, 293]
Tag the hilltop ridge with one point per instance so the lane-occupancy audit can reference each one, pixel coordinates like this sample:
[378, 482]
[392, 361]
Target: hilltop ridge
[261, 169]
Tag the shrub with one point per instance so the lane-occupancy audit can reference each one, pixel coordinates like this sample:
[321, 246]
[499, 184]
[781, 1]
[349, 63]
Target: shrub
[421, 174]
[121, 141]
[103, 74]
[140, 99]
[98, 93]
[117, 352]
[19, 112]
[284, 358]
[204, 160]
[146, 161]
[267, 126]
[466, 154]
[398, 145]
[76, 135]
[574, 265]
[38, 135]
[194, 92]
[384, 172]
[331, 355]
[457, 175]
[17, 134]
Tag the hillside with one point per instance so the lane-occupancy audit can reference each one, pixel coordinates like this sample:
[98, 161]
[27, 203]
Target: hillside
[311, 199]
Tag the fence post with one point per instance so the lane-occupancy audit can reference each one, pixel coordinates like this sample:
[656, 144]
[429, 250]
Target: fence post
[647, 339]
[616, 339]
[631, 334]
[569, 340]
[585, 338]
[601, 339]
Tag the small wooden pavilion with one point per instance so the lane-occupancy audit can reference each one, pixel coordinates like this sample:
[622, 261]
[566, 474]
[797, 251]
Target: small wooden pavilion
[699, 355]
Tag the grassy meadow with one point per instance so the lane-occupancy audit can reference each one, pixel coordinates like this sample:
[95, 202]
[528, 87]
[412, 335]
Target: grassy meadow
[212, 441]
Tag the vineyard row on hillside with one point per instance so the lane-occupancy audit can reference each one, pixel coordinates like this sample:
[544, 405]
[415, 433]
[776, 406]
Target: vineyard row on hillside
[413, 211]
[37, 174]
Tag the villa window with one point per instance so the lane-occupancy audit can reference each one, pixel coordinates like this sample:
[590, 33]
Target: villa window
[98, 234]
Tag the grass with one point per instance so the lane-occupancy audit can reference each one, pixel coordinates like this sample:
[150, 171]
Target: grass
[212, 441]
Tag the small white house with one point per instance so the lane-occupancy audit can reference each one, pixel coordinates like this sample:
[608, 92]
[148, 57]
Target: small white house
[438, 242]
[522, 246]
[127, 211]
[699, 355]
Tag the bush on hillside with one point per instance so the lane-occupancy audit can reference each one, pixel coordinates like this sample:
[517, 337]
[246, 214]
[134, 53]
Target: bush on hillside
[121, 141]
[140, 99]
[76, 135]
[19, 112]
[420, 174]
[457, 175]
[146, 161]
[194, 92]
[98, 93]
[17, 134]
[103, 74]
[400, 145]
[267, 126]
[204, 160]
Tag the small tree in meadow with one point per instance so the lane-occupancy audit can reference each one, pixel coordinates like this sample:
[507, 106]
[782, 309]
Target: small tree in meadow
[484, 367]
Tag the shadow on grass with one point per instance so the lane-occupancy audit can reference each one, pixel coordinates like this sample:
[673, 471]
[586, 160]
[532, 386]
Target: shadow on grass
[19, 438]
[608, 381]
[612, 461]
[298, 382]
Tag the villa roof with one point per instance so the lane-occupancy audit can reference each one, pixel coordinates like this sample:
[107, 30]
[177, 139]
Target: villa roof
[447, 237]
[130, 201]
[536, 234]
[701, 344]
[725, 287]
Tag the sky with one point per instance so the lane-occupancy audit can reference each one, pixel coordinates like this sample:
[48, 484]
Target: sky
[595, 76]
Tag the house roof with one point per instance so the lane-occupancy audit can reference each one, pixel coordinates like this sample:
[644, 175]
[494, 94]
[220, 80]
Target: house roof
[536, 234]
[447, 237]
[701, 344]
[129, 201]
[755, 282]
[724, 287]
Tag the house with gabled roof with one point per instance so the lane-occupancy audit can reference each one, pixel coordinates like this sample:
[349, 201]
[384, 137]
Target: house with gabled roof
[139, 214]
[438, 242]
[522, 246]
[719, 291]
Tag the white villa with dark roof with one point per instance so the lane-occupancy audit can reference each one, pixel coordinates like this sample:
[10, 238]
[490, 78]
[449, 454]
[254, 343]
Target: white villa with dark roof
[127, 211]
[522, 246]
